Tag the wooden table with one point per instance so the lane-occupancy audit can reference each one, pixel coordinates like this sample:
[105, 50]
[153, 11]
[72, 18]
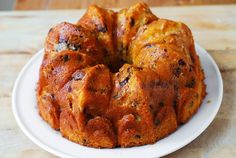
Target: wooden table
[22, 34]
[75, 4]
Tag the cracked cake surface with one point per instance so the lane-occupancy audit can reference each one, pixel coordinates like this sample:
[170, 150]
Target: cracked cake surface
[119, 79]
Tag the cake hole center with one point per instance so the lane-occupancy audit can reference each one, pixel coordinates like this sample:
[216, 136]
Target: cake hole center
[114, 67]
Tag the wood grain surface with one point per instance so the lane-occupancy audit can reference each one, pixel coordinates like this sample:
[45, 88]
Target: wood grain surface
[77, 4]
[22, 34]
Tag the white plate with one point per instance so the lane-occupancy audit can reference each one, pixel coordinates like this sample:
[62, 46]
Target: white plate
[27, 117]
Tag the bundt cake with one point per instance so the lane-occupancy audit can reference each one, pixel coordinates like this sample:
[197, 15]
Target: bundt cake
[124, 78]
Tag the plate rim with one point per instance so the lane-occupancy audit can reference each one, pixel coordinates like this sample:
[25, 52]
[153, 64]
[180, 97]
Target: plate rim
[62, 154]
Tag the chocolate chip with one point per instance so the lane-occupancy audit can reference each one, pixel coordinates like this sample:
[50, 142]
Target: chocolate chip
[66, 58]
[161, 103]
[79, 76]
[139, 68]
[165, 50]
[52, 96]
[132, 22]
[134, 103]
[191, 83]
[137, 136]
[176, 88]
[124, 82]
[116, 96]
[102, 29]
[181, 62]
[149, 45]
[103, 90]
[129, 70]
[151, 107]
[157, 121]
[123, 48]
[174, 104]
[191, 68]
[84, 141]
[70, 104]
[191, 104]
[44, 97]
[177, 71]
[52, 68]
[69, 89]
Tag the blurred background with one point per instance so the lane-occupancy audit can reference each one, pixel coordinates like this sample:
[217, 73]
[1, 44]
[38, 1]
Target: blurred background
[76, 4]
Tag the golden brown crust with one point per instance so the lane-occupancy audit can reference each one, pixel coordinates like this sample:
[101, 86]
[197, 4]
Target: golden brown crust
[128, 22]
[139, 94]
[86, 93]
[102, 23]
[85, 98]
[67, 48]
[168, 48]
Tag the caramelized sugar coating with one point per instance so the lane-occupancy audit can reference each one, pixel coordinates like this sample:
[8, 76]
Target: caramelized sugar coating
[135, 108]
[84, 100]
[128, 22]
[102, 23]
[167, 47]
[67, 48]
[85, 92]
